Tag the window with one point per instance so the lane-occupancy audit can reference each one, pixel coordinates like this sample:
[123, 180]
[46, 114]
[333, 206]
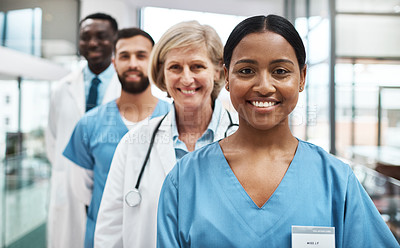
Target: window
[151, 16]
[22, 30]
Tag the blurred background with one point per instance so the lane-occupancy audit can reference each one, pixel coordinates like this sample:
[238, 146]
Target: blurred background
[351, 105]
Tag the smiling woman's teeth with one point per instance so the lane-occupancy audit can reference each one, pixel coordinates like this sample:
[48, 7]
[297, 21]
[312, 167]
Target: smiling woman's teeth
[263, 104]
[188, 91]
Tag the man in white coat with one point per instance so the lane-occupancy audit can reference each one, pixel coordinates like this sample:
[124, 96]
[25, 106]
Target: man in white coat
[93, 84]
[98, 132]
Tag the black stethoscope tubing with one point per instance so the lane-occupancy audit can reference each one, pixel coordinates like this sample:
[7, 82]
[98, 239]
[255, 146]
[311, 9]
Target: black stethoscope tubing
[136, 191]
[148, 152]
[231, 124]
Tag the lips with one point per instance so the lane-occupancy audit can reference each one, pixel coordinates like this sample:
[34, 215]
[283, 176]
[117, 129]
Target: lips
[262, 104]
[94, 54]
[189, 91]
[265, 103]
[133, 75]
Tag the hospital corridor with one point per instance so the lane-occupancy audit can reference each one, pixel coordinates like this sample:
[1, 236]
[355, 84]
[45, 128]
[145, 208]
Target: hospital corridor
[95, 96]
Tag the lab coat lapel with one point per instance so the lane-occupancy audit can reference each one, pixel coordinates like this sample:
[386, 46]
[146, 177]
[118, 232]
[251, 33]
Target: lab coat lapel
[113, 89]
[164, 145]
[76, 89]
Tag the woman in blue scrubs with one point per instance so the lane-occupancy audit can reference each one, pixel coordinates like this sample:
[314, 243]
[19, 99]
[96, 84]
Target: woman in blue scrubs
[251, 188]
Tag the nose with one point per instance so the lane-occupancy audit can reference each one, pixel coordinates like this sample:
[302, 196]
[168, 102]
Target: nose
[265, 84]
[187, 77]
[93, 41]
[133, 62]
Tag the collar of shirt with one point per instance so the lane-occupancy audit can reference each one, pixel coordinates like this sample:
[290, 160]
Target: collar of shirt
[105, 78]
[205, 139]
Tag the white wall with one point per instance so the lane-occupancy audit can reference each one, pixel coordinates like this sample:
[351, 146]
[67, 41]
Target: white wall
[368, 36]
[118, 9]
[125, 11]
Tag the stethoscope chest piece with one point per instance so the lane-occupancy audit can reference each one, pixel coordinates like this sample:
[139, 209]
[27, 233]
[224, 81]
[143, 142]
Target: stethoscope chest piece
[133, 198]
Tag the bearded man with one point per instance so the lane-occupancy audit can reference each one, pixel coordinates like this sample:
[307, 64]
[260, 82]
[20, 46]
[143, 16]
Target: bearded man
[97, 134]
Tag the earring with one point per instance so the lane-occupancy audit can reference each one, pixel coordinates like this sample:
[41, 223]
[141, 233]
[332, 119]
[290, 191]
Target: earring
[227, 87]
[301, 88]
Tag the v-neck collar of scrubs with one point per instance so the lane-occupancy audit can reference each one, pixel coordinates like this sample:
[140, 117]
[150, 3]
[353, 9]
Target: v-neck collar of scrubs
[260, 220]
[118, 117]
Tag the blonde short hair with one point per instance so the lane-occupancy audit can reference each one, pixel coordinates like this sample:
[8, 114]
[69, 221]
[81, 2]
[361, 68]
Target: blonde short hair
[187, 34]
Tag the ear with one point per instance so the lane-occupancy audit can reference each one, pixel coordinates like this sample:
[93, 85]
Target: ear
[226, 75]
[303, 73]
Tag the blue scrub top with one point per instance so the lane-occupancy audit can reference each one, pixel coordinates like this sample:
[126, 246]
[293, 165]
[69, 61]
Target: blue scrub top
[92, 146]
[202, 204]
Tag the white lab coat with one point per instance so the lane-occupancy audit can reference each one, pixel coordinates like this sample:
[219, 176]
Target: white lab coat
[119, 225]
[66, 216]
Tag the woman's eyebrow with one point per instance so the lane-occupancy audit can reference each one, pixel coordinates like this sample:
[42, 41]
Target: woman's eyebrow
[247, 61]
[250, 61]
[282, 61]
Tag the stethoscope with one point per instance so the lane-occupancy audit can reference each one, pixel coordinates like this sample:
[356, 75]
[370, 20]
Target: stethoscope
[133, 197]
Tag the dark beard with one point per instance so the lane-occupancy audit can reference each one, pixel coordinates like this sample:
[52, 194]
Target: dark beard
[134, 88]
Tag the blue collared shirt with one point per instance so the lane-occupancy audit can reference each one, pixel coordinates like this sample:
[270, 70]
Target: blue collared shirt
[105, 78]
[205, 139]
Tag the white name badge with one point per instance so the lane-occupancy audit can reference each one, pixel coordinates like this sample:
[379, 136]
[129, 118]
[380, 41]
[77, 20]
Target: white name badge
[313, 237]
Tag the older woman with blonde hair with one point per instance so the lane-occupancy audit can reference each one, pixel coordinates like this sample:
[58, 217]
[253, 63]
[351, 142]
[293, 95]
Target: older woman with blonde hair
[187, 64]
